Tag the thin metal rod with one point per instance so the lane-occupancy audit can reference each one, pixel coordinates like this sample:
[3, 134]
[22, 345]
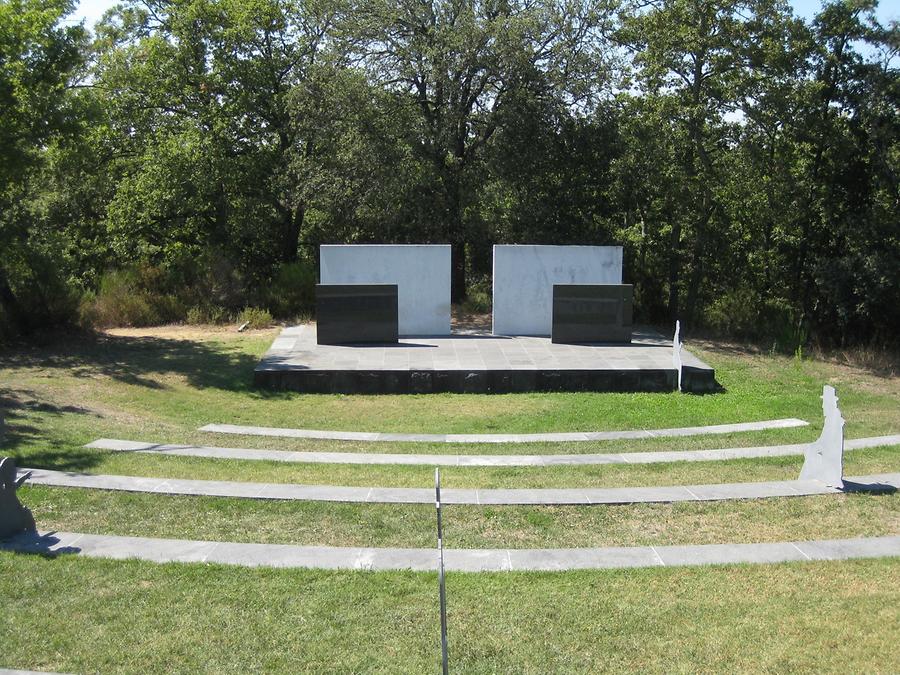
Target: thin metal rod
[443, 590]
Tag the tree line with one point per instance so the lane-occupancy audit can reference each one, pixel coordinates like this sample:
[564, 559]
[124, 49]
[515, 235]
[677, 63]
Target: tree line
[187, 157]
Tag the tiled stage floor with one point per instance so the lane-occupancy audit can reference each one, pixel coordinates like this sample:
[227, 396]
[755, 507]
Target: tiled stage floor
[473, 362]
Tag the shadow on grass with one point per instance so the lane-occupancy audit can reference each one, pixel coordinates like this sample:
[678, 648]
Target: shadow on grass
[136, 360]
[16, 430]
[869, 488]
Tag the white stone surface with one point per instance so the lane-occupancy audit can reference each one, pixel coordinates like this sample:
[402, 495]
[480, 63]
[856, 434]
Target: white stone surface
[676, 352]
[524, 276]
[824, 460]
[421, 272]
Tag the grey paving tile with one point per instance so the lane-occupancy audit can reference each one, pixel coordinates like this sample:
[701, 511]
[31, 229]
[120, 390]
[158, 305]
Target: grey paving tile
[56, 543]
[469, 560]
[582, 459]
[209, 488]
[156, 550]
[717, 554]
[514, 438]
[500, 460]
[378, 559]
[278, 555]
[325, 493]
[758, 490]
[587, 558]
[456, 496]
[95, 481]
[383, 495]
[535, 496]
[638, 495]
[878, 441]
[413, 438]
[115, 444]
[843, 549]
[473, 560]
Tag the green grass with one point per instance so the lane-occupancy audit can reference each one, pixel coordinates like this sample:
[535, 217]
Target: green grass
[412, 525]
[78, 615]
[75, 615]
[857, 462]
[162, 389]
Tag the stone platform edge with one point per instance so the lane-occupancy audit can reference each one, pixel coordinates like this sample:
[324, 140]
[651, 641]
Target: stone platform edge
[458, 560]
[696, 379]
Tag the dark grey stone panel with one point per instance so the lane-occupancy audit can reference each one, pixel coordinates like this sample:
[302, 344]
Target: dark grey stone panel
[356, 314]
[588, 313]
[463, 381]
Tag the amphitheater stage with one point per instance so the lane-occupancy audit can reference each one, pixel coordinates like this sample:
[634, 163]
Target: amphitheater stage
[473, 362]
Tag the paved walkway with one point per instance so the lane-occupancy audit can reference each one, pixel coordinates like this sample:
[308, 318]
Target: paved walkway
[463, 560]
[388, 495]
[502, 438]
[476, 460]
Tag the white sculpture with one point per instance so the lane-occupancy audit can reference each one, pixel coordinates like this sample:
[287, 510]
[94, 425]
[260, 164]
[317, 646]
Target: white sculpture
[676, 352]
[824, 459]
[524, 276]
[420, 271]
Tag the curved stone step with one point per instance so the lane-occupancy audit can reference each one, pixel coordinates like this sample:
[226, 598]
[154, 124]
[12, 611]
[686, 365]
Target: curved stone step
[662, 456]
[887, 482]
[502, 438]
[463, 560]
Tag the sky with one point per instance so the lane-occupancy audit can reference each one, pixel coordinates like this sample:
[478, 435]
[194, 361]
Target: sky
[92, 10]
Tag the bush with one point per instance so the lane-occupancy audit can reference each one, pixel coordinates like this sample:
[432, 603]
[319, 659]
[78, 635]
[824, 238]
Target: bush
[206, 314]
[292, 291]
[124, 300]
[479, 300]
[255, 317]
[744, 313]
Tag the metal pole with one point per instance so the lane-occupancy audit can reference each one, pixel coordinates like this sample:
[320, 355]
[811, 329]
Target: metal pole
[443, 591]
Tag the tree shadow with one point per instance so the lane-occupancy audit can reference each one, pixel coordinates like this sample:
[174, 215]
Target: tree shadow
[16, 430]
[136, 360]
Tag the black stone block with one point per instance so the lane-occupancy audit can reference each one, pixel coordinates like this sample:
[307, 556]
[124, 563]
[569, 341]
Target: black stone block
[356, 314]
[591, 313]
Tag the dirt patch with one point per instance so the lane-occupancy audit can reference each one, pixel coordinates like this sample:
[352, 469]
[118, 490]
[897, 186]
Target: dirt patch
[193, 333]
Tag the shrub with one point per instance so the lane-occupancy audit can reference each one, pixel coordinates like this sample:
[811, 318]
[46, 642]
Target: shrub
[255, 317]
[124, 300]
[479, 300]
[744, 313]
[292, 291]
[206, 314]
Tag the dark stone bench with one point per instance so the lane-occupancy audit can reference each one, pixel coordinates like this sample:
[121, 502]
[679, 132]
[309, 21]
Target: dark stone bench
[592, 313]
[356, 314]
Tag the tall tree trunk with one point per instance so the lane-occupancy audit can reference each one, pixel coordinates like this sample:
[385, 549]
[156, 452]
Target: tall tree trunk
[290, 241]
[458, 277]
[16, 315]
[457, 237]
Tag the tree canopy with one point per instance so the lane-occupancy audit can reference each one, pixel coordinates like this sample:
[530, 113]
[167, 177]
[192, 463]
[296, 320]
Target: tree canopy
[194, 153]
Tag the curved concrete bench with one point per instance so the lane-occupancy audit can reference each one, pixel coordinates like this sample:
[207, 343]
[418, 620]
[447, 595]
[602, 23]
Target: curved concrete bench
[662, 456]
[579, 436]
[887, 482]
[462, 560]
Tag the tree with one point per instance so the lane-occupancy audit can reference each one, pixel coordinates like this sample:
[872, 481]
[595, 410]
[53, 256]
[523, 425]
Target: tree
[39, 62]
[461, 63]
[201, 97]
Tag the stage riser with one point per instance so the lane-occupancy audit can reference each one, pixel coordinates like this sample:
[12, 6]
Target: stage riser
[477, 382]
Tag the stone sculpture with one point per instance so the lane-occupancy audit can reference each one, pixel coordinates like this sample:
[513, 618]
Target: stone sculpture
[824, 459]
[14, 517]
[676, 352]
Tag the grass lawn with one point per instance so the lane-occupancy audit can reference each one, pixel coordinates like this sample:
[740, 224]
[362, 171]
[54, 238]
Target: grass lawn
[78, 615]
[412, 525]
[160, 385]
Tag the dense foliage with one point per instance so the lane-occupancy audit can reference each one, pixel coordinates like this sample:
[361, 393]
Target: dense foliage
[186, 160]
